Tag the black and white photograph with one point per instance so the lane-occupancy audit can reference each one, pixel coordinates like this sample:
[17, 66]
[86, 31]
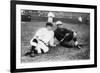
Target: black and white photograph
[54, 36]
[51, 36]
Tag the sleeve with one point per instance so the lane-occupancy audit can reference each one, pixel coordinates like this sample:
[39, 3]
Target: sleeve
[52, 40]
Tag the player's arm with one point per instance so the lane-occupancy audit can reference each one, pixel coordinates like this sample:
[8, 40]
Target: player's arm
[52, 40]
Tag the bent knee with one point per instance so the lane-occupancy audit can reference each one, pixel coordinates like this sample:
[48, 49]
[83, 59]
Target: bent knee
[75, 34]
[33, 43]
[45, 50]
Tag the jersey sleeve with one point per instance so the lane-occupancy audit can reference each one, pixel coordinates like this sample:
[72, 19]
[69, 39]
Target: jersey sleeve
[52, 40]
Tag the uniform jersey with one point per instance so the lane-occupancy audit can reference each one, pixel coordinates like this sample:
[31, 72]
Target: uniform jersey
[50, 17]
[61, 32]
[42, 39]
[45, 35]
[50, 14]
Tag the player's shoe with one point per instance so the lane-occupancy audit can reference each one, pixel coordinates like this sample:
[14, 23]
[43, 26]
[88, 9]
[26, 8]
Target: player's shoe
[34, 53]
[28, 53]
[78, 47]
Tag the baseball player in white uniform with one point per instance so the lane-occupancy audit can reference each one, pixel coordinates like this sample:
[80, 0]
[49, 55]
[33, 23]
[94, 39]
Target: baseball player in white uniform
[50, 17]
[80, 19]
[43, 38]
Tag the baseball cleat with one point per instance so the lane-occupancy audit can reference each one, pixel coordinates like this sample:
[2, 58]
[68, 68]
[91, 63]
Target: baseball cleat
[78, 47]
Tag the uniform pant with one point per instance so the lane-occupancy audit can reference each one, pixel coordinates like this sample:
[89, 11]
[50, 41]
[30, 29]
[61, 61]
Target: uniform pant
[40, 47]
[70, 40]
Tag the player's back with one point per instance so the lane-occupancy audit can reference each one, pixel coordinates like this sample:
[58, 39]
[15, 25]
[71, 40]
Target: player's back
[44, 34]
[61, 32]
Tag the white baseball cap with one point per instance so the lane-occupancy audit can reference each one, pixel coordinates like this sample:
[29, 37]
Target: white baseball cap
[59, 23]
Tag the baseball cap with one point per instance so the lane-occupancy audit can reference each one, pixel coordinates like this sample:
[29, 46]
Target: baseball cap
[59, 23]
[49, 24]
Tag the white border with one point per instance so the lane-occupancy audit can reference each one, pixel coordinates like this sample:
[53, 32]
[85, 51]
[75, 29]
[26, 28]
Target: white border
[20, 65]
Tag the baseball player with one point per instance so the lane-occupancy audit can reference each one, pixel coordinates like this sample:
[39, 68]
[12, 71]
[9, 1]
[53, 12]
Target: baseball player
[80, 19]
[50, 17]
[64, 36]
[41, 41]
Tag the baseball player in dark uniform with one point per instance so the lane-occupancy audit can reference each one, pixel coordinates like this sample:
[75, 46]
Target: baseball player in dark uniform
[65, 36]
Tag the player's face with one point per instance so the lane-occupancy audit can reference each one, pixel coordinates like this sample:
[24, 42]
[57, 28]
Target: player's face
[60, 26]
[49, 28]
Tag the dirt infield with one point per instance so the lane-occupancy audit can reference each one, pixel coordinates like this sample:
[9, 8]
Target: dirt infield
[59, 53]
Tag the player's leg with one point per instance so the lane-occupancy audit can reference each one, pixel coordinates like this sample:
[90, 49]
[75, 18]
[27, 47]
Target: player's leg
[76, 43]
[50, 19]
[42, 48]
[66, 44]
[45, 49]
[32, 49]
[67, 41]
[39, 49]
[35, 50]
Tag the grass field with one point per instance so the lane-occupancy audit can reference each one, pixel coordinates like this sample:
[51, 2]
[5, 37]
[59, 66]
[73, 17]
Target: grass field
[59, 53]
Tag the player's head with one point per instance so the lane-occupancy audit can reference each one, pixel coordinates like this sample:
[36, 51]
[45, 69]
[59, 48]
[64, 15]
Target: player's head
[59, 24]
[49, 26]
